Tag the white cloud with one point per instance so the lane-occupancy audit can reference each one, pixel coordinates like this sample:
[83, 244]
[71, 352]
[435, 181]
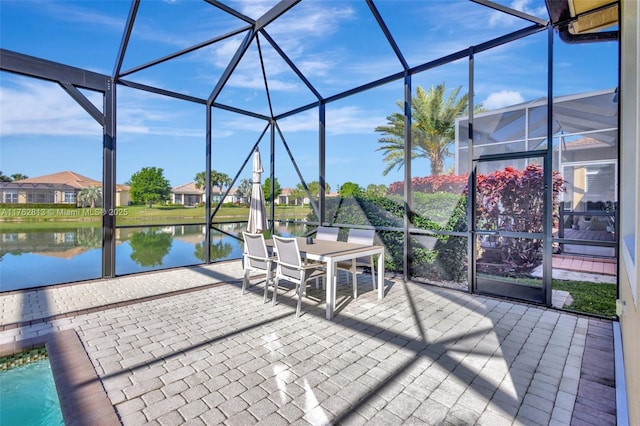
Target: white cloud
[310, 20]
[160, 131]
[64, 11]
[340, 121]
[352, 120]
[254, 8]
[499, 19]
[293, 31]
[33, 107]
[502, 99]
[224, 50]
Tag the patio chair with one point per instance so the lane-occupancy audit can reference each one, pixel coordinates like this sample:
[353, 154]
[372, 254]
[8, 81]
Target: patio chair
[359, 236]
[327, 233]
[290, 268]
[257, 259]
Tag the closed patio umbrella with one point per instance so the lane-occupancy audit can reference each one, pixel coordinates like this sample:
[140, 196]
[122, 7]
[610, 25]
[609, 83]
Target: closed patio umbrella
[257, 210]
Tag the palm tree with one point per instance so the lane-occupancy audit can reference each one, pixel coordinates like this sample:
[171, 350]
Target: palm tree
[432, 130]
[19, 176]
[244, 189]
[300, 194]
[217, 179]
[377, 190]
[90, 195]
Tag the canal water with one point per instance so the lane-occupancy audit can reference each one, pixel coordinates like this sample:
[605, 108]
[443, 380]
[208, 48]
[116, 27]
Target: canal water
[42, 257]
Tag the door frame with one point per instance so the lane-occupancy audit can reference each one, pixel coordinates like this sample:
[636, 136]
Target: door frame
[504, 288]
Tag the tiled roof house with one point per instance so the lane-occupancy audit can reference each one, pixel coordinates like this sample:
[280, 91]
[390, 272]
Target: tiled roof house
[190, 196]
[55, 188]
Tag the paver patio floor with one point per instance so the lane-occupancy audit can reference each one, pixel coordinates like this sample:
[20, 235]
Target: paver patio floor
[185, 347]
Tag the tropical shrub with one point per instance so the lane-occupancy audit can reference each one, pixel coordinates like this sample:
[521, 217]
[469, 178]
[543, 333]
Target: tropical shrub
[446, 260]
[512, 200]
[369, 210]
[454, 184]
[507, 200]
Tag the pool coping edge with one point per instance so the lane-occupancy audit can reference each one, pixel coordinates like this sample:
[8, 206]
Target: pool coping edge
[83, 400]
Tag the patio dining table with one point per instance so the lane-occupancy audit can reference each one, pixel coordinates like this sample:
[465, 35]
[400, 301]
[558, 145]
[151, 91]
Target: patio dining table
[332, 252]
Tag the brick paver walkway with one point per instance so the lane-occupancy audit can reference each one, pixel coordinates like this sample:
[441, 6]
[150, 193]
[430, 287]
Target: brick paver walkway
[190, 349]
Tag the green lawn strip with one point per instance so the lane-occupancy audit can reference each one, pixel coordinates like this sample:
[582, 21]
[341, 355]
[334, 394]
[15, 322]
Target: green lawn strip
[134, 215]
[588, 297]
[35, 218]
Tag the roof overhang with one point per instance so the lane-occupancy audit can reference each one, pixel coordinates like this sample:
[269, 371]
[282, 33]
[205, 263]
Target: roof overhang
[582, 21]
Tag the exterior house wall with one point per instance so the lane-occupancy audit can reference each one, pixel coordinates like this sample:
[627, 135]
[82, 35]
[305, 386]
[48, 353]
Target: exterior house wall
[39, 195]
[285, 198]
[578, 179]
[122, 198]
[629, 273]
[185, 199]
[189, 195]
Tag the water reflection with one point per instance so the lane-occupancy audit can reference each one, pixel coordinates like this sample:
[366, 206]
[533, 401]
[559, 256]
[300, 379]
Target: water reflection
[150, 247]
[33, 258]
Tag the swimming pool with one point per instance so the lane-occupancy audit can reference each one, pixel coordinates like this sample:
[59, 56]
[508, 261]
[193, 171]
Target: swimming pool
[28, 395]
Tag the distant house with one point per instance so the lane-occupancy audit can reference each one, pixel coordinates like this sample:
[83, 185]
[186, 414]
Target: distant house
[56, 188]
[286, 198]
[233, 196]
[187, 195]
[190, 196]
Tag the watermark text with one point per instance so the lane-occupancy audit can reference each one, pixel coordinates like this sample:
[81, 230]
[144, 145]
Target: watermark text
[52, 212]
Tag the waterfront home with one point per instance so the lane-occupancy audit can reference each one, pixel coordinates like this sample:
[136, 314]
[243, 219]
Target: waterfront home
[55, 188]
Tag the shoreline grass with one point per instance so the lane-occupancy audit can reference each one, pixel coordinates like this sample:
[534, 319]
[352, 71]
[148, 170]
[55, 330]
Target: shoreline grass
[23, 217]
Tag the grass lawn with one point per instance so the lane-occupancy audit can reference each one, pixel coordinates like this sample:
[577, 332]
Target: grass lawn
[588, 297]
[24, 217]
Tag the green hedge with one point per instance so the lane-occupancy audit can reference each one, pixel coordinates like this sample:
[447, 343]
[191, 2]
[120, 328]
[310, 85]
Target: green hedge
[508, 200]
[436, 212]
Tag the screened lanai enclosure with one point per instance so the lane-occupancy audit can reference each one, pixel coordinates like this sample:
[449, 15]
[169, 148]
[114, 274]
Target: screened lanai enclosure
[429, 122]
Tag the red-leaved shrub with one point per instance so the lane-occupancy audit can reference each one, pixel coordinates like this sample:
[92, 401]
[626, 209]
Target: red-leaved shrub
[512, 200]
[509, 200]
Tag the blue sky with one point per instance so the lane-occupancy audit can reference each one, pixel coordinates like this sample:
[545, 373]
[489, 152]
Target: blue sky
[336, 44]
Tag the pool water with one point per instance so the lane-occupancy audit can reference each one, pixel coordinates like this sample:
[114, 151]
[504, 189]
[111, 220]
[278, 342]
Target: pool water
[28, 396]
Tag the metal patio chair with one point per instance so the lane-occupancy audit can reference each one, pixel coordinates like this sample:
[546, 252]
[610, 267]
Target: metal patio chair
[365, 237]
[257, 259]
[290, 268]
[327, 233]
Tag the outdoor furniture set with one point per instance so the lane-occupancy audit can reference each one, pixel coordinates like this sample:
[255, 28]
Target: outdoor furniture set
[299, 260]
